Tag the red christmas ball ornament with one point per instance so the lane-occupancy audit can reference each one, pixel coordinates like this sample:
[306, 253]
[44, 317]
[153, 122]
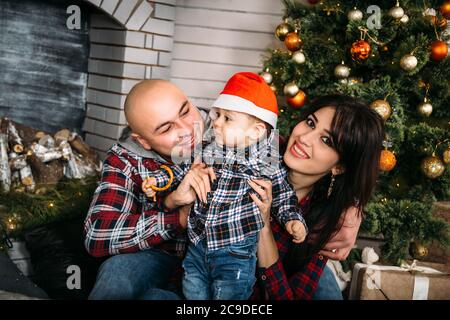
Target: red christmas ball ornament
[298, 100]
[360, 50]
[293, 41]
[439, 50]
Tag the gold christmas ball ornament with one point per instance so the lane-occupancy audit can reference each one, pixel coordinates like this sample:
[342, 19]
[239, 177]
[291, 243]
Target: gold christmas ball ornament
[355, 15]
[396, 12]
[298, 100]
[360, 50]
[439, 50]
[293, 42]
[382, 107]
[282, 30]
[408, 62]
[445, 10]
[290, 89]
[299, 57]
[417, 250]
[404, 19]
[267, 77]
[425, 109]
[446, 155]
[387, 160]
[342, 71]
[432, 167]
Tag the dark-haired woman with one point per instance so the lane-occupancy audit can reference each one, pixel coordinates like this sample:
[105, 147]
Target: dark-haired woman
[333, 157]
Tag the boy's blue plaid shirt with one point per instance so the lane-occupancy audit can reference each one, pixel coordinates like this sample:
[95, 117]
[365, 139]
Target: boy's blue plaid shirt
[230, 214]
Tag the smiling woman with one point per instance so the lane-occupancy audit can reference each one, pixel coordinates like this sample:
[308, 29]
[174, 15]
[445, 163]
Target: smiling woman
[333, 156]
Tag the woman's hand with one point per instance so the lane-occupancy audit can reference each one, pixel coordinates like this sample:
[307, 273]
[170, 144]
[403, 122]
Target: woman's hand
[195, 183]
[340, 245]
[264, 189]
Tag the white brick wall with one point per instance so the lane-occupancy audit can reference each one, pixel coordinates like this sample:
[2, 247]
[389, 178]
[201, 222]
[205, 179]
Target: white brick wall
[215, 39]
[131, 41]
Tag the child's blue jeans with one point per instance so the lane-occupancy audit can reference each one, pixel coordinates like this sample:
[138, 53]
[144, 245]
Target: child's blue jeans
[224, 274]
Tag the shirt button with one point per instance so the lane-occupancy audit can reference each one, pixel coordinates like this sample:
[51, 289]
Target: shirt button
[168, 226]
[320, 257]
[263, 277]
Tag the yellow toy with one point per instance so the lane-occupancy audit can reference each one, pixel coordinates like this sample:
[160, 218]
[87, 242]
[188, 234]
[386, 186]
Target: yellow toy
[149, 184]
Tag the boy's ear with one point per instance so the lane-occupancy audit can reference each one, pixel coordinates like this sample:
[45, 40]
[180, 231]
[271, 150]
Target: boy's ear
[141, 141]
[259, 129]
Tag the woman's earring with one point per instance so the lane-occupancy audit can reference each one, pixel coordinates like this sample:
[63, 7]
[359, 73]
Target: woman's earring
[330, 188]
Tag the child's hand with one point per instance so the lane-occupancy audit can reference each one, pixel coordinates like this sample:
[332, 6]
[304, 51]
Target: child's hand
[146, 184]
[296, 229]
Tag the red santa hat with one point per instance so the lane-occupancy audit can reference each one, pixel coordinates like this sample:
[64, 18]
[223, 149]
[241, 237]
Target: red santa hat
[248, 92]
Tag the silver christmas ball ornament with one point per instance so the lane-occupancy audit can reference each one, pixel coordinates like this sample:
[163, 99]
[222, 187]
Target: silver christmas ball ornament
[267, 77]
[299, 57]
[291, 89]
[396, 12]
[355, 15]
[408, 62]
[342, 71]
[404, 19]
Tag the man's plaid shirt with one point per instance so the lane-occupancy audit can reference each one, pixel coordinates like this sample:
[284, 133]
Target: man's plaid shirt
[230, 214]
[121, 219]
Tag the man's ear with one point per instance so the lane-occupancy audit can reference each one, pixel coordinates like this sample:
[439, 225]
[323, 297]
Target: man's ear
[337, 170]
[141, 141]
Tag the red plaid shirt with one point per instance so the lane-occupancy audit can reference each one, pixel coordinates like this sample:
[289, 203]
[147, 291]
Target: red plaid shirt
[121, 218]
[273, 283]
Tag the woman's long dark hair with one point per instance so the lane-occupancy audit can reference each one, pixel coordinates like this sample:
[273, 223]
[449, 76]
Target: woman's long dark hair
[357, 133]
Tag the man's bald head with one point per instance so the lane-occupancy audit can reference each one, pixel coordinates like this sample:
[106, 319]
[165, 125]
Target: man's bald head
[161, 117]
[144, 97]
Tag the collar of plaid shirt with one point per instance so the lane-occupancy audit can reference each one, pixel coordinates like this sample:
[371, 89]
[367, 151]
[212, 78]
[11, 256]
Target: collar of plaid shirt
[262, 157]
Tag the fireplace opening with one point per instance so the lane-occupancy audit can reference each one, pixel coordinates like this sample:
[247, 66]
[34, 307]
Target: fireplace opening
[44, 64]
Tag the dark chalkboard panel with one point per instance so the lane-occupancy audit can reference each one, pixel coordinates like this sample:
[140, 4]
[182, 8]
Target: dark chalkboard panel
[43, 64]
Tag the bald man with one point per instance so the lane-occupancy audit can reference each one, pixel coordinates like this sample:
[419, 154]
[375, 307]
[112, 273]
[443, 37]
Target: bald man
[145, 239]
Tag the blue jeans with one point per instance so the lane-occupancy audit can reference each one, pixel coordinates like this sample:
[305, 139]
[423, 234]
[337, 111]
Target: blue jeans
[141, 275]
[327, 288]
[224, 274]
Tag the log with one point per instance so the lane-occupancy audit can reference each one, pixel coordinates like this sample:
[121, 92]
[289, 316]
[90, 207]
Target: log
[5, 172]
[47, 141]
[62, 135]
[28, 134]
[27, 179]
[15, 141]
[77, 144]
[46, 173]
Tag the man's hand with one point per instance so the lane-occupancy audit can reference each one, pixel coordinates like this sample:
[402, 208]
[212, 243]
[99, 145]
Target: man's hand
[297, 230]
[340, 245]
[195, 183]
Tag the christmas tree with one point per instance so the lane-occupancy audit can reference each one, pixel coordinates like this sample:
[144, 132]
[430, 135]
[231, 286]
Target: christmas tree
[394, 57]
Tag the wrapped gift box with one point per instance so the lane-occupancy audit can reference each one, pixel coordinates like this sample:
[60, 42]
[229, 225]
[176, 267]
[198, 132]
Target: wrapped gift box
[413, 282]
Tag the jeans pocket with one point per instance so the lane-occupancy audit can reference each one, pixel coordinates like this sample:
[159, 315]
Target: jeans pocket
[245, 249]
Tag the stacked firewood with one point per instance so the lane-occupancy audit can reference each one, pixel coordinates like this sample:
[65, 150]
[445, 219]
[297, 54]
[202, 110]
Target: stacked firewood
[31, 160]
